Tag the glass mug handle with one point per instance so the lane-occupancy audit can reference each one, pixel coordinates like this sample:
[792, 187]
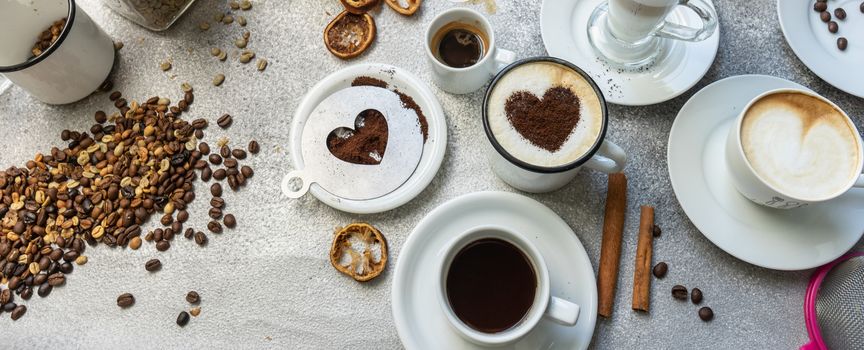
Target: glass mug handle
[610, 158]
[679, 32]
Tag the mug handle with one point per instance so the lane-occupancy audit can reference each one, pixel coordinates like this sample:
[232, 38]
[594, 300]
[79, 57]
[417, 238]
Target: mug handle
[503, 58]
[859, 182]
[679, 32]
[610, 158]
[562, 311]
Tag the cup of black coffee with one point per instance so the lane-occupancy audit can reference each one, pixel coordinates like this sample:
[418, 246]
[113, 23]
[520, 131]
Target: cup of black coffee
[494, 287]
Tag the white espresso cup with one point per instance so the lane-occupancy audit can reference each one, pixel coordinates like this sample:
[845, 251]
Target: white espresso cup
[788, 165]
[545, 305]
[471, 78]
[71, 68]
[602, 155]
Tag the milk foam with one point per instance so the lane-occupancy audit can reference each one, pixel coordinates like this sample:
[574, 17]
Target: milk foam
[536, 78]
[801, 145]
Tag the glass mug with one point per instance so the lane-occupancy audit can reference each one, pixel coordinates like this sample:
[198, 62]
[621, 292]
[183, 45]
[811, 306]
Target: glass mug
[629, 33]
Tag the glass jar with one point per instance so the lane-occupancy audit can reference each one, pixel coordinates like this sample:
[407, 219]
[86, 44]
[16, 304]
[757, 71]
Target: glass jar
[155, 15]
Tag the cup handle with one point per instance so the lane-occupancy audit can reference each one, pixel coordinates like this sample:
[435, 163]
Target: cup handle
[676, 31]
[860, 182]
[610, 158]
[562, 311]
[503, 58]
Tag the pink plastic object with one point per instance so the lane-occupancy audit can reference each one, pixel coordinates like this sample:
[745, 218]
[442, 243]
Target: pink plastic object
[816, 341]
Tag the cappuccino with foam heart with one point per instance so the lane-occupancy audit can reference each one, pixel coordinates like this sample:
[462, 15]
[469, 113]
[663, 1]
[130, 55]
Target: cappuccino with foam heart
[801, 145]
[544, 114]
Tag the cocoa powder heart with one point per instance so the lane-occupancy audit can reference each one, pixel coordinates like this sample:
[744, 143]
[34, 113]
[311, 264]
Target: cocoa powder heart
[365, 144]
[546, 123]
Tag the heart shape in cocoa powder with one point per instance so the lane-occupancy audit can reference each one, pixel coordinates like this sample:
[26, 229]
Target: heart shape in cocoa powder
[361, 144]
[546, 123]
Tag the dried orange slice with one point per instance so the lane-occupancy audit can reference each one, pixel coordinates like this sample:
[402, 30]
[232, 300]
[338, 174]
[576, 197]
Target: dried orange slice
[359, 7]
[360, 251]
[412, 7]
[348, 35]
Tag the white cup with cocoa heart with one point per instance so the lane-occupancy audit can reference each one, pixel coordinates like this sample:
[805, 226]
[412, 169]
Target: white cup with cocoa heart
[544, 120]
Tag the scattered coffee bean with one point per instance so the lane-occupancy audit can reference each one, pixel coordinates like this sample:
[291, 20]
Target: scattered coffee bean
[204, 148]
[135, 243]
[163, 245]
[245, 5]
[218, 79]
[56, 279]
[192, 297]
[217, 202]
[696, 296]
[65, 268]
[200, 238]
[825, 16]
[656, 231]
[660, 269]
[230, 221]
[215, 159]
[238, 153]
[820, 6]
[204, 26]
[216, 190]
[842, 43]
[26, 293]
[44, 289]
[215, 213]
[679, 292]
[6, 297]
[214, 227]
[833, 27]
[195, 311]
[224, 121]
[230, 162]
[81, 260]
[164, 66]
[182, 216]
[840, 13]
[253, 147]
[182, 318]
[228, 19]
[153, 265]
[247, 171]
[19, 311]
[125, 300]
[101, 117]
[225, 151]
[706, 314]
[219, 174]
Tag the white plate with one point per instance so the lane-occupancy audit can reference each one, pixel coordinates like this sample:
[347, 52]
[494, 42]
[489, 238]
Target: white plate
[564, 25]
[419, 319]
[793, 239]
[817, 47]
[433, 150]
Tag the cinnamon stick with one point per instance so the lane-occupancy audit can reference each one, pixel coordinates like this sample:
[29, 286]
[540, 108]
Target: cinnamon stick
[642, 274]
[610, 250]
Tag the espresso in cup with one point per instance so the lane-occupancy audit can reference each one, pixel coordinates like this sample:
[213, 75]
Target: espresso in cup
[459, 45]
[800, 145]
[491, 285]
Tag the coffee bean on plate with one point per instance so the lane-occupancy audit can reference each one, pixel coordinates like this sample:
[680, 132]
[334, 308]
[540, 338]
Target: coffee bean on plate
[842, 43]
[825, 16]
[706, 314]
[696, 296]
[125, 300]
[861, 8]
[660, 269]
[182, 318]
[153, 265]
[820, 6]
[679, 292]
[833, 27]
[224, 121]
[192, 297]
[230, 221]
[840, 13]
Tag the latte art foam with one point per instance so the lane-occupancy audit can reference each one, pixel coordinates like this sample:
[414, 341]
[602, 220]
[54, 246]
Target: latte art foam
[801, 145]
[537, 78]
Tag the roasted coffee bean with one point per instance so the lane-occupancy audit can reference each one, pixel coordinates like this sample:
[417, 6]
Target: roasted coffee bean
[100, 117]
[224, 121]
[157, 234]
[199, 123]
[153, 265]
[861, 8]
[70, 255]
[696, 296]
[192, 297]
[182, 318]
[233, 183]
[217, 202]
[40, 278]
[216, 190]
[65, 267]
[231, 163]
[189, 233]
[706, 314]
[56, 279]
[225, 151]
[6, 296]
[182, 216]
[660, 270]
[215, 213]
[9, 307]
[842, 43]
[26, 293]
[44, 290]
[219, 174]
[254, 148]
[833, 27]
[206, 174]
[657, 231]
[214, 227]
[230, 221]
[135, 243]
[166, 220]
[825, 16]
[679, 292]
[19, 311]
[238, 153]
[215, 159]
[247, 172]
[163, 245]
[176, 227]
[195, 311]
[820, 6]
[840, 13]
[125, 300]
[200, 238]
[114, 96]
[204, 148]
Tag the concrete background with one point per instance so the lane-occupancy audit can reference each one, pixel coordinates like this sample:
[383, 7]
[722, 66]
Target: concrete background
[268, 283]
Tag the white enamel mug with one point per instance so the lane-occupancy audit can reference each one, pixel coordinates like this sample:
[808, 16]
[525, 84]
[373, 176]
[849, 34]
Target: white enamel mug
[754, 187]
[468, 79]
[604, 155]
[545, 304]
[72, 68]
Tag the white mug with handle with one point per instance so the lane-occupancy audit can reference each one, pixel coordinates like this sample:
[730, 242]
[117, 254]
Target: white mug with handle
[468, 79]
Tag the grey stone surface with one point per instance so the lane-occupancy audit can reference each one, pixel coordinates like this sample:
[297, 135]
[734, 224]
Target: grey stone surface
[268, 283]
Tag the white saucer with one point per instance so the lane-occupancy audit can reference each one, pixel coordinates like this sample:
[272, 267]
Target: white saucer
[433, 150]
[793, 239]
[817, 47]
[419, 319]
[564, 25]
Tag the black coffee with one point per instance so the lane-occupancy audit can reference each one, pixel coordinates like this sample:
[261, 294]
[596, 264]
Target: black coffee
[491, 285]
[460, 47]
